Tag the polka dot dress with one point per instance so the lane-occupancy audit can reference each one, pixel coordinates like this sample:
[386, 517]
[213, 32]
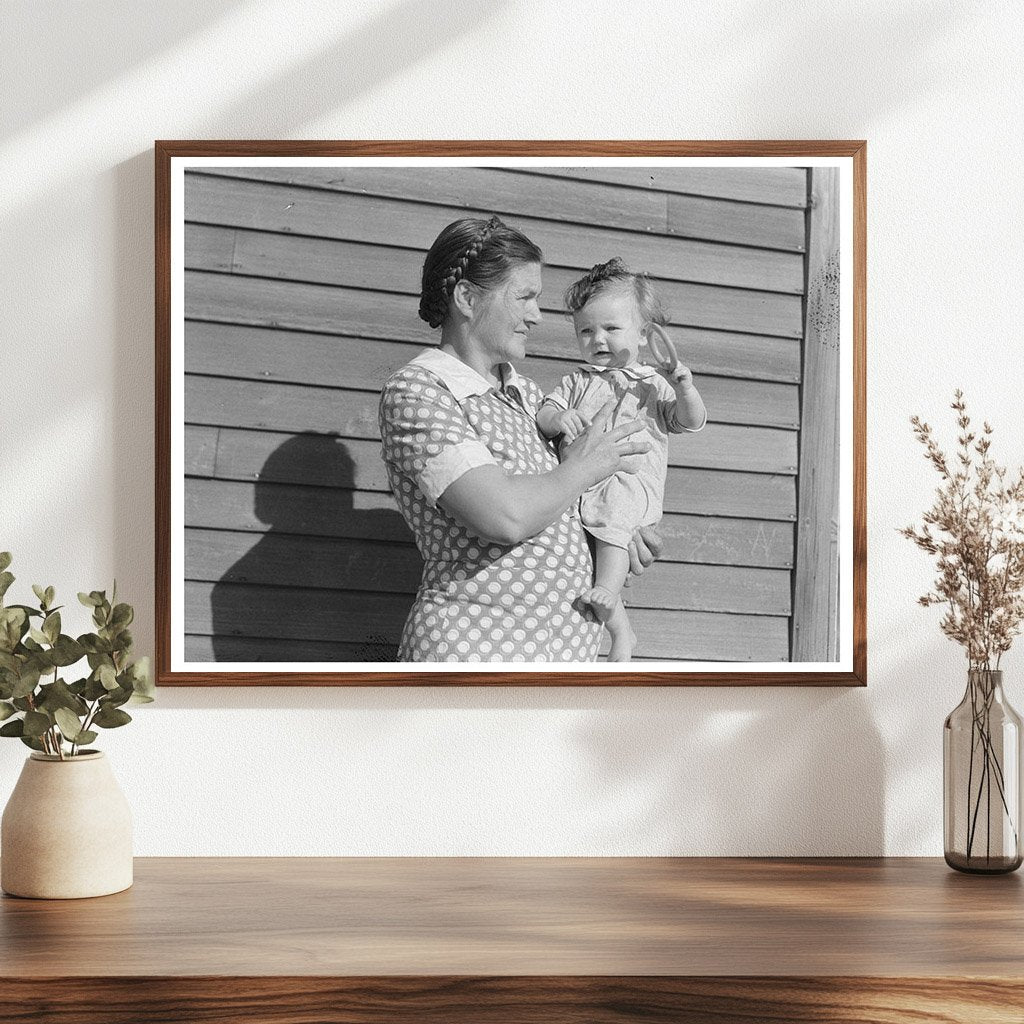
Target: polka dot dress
[479, 601]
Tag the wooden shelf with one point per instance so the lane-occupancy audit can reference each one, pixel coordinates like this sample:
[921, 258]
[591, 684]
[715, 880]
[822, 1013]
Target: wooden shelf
[503, 940]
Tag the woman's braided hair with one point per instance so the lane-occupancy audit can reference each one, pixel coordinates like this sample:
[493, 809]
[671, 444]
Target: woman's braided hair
[606, 275]
[483, 252]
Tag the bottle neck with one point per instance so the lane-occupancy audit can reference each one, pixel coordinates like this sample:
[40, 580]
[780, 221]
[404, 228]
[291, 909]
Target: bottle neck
[985, 682]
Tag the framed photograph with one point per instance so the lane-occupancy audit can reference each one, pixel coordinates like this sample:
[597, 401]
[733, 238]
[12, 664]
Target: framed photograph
[376, 464]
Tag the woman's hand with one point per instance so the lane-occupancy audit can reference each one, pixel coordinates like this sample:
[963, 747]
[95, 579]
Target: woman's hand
[602, 452]
[644, 549]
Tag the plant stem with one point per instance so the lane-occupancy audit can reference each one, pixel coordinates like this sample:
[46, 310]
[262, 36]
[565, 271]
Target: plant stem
[970, 767]
[982, 698]
[58, 739]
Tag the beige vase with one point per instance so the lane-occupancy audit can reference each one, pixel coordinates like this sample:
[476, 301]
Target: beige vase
[66, 831]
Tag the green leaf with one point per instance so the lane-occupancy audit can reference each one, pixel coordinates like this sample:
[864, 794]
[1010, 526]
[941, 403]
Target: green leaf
[94, 689]
[6, 710]
[94, 645]
[50, 595]
[9, 662]
[87, 736]
[15, 728]
[22, 703]
[107, 676]
[58, 695]
[31, 741]
[115, 698]
[69, 724]
[40, 592]
[6, 579]
[109, 718]
[36, 723]
[27, 681]
[39, 636]
[67, 651]
[122, 616]
[51, 626]
[5, 559]
[89, 600]
[87, 641]
[142, 680]
[96, 660]
[30, 612]
[12, 627]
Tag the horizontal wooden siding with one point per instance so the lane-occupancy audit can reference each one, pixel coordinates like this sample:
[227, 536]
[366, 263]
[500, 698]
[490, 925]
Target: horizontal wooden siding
[301, 295]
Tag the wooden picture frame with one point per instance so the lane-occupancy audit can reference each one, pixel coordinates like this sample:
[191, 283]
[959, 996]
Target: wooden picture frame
[251, 303]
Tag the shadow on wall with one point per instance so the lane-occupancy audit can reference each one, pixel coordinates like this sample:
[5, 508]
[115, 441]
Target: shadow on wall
[340, 69]
[278, 603]
[49, 42]
[808, 61]
[715, 772]
[396, 37]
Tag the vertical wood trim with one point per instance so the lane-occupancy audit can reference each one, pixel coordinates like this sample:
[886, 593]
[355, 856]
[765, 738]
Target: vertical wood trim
[860, 398]
[814, 607]
[162, 406]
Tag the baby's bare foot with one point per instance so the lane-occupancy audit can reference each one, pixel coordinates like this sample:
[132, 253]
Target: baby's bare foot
[623, 645]
[603, 601]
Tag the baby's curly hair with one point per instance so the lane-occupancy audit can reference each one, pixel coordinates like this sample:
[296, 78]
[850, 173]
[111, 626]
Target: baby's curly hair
[606, 275]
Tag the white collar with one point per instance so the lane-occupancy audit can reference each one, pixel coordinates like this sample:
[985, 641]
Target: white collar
[460, 378]
[641, 371]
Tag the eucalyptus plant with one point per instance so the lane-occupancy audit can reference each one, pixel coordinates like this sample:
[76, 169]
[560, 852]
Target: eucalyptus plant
[54, 716]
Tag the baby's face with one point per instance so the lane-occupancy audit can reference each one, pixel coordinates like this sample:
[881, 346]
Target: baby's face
[609, 329]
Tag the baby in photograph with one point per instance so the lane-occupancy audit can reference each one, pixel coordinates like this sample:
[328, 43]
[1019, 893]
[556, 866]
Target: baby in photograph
[614, 313]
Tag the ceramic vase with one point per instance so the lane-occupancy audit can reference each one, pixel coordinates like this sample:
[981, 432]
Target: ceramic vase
[66, 831]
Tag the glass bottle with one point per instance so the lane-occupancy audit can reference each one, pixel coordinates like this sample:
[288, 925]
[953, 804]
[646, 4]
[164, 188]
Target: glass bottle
[981, 776]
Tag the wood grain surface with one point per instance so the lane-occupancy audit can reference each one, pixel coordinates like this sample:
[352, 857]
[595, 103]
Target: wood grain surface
[375, 220]
[339, 512]
[289, 940]
[718, 353]
[237, 609]
[555, 197]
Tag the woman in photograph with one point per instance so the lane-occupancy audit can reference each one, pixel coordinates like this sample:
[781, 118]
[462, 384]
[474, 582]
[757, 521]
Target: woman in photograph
[493, 511]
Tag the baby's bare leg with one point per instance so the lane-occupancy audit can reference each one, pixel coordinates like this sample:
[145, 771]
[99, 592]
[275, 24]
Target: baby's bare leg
[612, 565]
[621, 632]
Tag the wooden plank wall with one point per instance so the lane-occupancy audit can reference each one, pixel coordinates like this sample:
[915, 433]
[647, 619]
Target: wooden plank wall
[301, 295]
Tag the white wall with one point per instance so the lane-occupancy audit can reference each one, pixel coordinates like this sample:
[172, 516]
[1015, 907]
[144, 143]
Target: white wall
[936, 89]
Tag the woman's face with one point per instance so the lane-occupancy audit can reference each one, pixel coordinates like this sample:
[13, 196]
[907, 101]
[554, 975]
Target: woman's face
[504, 315]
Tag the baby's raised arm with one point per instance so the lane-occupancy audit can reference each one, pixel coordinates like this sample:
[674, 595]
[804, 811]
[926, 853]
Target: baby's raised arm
[689, 412]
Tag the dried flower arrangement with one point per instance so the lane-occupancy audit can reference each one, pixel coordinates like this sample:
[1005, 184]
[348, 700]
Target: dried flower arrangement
[978, 524]
[975, 527]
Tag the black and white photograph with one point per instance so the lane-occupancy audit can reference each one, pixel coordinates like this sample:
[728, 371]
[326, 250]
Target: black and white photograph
[522, 414]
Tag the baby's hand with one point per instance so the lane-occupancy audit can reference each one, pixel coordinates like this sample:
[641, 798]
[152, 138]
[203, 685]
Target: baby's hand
[571, 424]
[667, 358]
